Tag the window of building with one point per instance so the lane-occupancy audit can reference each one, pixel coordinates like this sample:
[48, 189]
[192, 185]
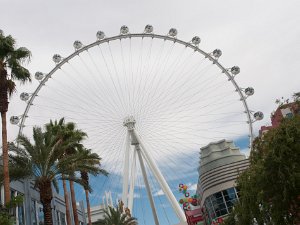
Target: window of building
[1, 193]
[57, 216]
[62, 219]
[20, 210]
[289, 115]
[40, 214]
[230, 198]
[220, 203]
[33, 212]
[13, 211]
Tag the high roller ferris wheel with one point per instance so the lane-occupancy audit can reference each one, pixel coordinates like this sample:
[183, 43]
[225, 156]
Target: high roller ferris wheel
[147, 98]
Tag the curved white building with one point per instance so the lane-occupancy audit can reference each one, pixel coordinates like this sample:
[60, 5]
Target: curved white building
[220, 164]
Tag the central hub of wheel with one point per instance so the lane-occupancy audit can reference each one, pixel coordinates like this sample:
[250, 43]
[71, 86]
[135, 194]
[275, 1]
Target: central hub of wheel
[129, 122]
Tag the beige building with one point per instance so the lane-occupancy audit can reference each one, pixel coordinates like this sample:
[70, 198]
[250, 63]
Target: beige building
[220, 164]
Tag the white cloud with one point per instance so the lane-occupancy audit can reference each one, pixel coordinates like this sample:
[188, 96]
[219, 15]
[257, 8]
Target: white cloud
[246, 152]
[159, 193]
[192, 187]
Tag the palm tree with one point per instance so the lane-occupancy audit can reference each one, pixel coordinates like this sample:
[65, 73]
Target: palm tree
[39, 161]
[66, 131]
[73, 199]
[92, 166]
[114, 216]
[10, 58]
[42, 162]
[85, 178]
[92, 162]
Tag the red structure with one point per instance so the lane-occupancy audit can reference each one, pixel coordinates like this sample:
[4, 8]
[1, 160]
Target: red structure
[193, 217]
[283, 111]
[192, 210]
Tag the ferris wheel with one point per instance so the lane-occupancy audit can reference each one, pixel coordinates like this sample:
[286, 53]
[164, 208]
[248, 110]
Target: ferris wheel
[148, 102]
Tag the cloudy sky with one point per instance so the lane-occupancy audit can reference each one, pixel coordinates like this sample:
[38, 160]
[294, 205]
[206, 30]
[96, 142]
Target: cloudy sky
[261, 37]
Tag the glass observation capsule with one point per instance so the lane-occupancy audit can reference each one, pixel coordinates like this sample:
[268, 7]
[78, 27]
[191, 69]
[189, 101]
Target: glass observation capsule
[258, 115]
[14, 120]
[148, 29]
[39, 75]
[173, 32]
[100, 35]
[24, 96]
[196, 40]
[217, 53]
[249, 91]
[57, 58]
[124, 30]
[235, 70]
[77, 45]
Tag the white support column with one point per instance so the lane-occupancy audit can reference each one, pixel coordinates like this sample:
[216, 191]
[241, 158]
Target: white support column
[110, 199]
[103, 200]
[129, 122]
[107, 197]
[149, 193]
[126, 171]
[162, 182]
[132, 181]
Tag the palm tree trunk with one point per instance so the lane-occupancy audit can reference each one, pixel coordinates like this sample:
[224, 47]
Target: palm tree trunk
[3, 110]
[46, 198]
[5, 159]
[88, 207]
[74, 203]
[67, 202]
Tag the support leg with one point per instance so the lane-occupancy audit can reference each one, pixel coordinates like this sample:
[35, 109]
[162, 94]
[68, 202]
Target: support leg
[147, 185]
[126, 171]
[162, 182]
[132, 181]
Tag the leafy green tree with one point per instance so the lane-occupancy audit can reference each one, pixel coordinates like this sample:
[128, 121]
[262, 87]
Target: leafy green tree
[296, 96]
[11, 58]
[114, 216]
[5, 216]
[269, 189]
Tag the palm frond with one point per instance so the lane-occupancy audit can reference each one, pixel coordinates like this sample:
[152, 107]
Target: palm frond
[17, 172]
[13, 58]
[22, 55]
[55, 185]
[114, 216]
[19, 72]
[7, 45]
[76, 180]
[11, 87]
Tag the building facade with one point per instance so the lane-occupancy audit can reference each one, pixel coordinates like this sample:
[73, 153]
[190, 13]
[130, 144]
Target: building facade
[97, 212]
[30, 212]
[220, 164]
[287, 110]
